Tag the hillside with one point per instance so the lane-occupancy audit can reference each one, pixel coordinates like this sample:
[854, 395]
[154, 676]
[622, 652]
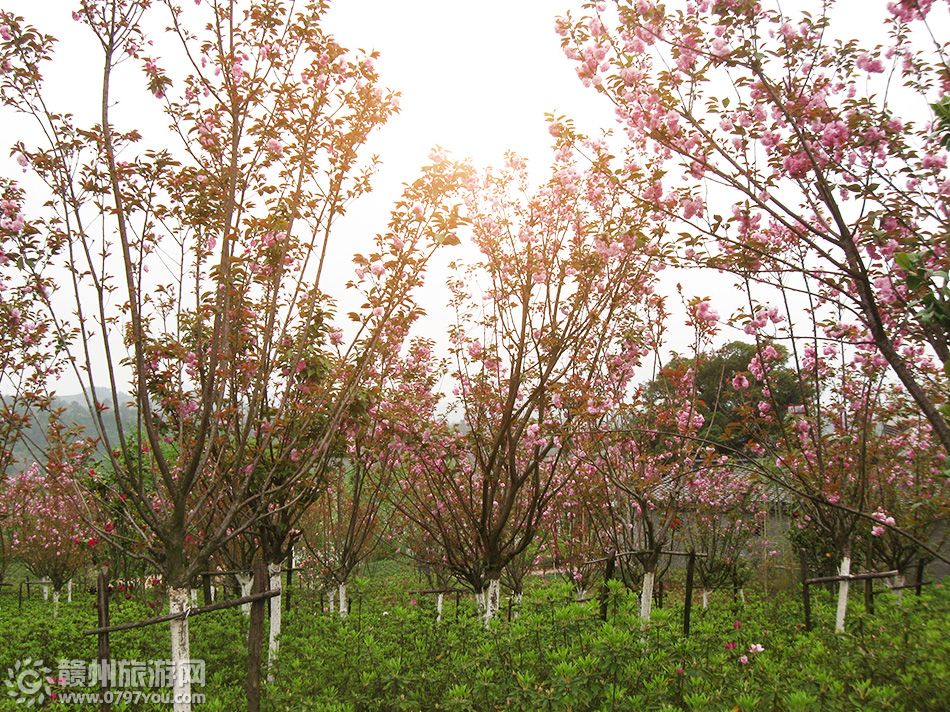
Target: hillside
[74, 413]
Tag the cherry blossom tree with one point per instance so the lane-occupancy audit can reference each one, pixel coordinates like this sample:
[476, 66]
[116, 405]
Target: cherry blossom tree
[237, 554]
[725, 509]
[517, 569]
[30, 352]
[44, 516]
[333, 376]
[787, 151]
[427, 555]
[575, 529]
[549, 322]
[908, 491]
[832, 451]
[649, 450]
[346, 524]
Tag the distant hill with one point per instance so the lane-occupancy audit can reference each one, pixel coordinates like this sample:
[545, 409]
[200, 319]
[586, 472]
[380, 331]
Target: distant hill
[76, 413]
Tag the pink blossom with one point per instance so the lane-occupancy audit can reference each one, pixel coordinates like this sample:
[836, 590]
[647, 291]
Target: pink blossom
[907, 10]
[870, 64]
[884, 518]
[796, 164]
[934, 162]
[706, 313]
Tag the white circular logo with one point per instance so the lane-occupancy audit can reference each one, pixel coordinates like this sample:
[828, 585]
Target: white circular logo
[27, 682]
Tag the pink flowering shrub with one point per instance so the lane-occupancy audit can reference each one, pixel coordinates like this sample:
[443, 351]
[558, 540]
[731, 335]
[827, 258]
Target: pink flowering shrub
[45, 521]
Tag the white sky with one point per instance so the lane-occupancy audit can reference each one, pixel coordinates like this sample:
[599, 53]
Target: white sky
[475, 77]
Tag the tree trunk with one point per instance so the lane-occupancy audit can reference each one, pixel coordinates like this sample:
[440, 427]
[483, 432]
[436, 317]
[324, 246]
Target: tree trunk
[45, 592]
[646, 595]
[438, 607]
[273, 571]
[705, 599]
[492, 596]
[55, 603]
[843, 586]
[344, 605]
[255, 639]
[896, 582]
[245, 582]
[332, 597]
[69, 591]
[181, 653]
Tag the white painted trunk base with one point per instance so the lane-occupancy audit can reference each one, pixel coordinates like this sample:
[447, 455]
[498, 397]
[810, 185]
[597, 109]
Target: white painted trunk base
[55, 603]
[69, 591]
[332, 597]
[896, 582]
[492, 596]
[517, 611]
[742, 595]
[705, 598]
[245, 583]
[438, 607]
[181, 650]
[344, 604]
[843, 586]
[273, 639]
[646, 596]
[45, 592]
